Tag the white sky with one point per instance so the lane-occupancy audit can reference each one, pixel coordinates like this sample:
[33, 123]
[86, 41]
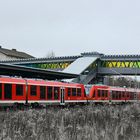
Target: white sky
[70, 27]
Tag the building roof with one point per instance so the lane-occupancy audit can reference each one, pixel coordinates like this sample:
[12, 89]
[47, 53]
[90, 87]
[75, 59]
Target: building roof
[15, 53]
[26, 72]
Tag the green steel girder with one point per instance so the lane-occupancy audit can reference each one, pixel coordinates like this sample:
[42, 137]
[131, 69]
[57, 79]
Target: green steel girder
[56, 65]
[120, 64]
[99, 63]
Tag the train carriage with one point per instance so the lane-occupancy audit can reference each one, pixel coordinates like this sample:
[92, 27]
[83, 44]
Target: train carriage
[101, 93]
[54, 92]
[17, 90]
[12, 91]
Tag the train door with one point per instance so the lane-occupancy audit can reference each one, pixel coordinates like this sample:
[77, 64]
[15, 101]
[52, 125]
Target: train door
[0, 91]
[110, 95]
[62, 96]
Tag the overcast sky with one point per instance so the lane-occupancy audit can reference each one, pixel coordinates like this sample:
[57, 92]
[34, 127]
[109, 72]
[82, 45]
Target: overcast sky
[70, 27]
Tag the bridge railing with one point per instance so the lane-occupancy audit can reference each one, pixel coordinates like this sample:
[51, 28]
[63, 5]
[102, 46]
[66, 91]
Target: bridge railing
[87, 78]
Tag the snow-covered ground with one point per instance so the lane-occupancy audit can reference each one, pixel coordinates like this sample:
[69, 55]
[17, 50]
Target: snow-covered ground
[106, 122]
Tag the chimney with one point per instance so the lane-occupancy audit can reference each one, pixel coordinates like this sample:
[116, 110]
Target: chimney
[14, 50]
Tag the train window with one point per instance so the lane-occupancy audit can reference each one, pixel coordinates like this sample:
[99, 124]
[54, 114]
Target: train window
[69, 91]
[120, 95]
[56, 93]
[131, 95]
[0, 90]
[42, 92]
[79, 92]
[33, 90]
[103, 93]
[123, 94]
[127, 94]
[50, 89]
[113, 94]
[117, 95]
[106, 93]
[73, 91]
[8, 91]
[19, 90]
[99, 93]
[94, 94]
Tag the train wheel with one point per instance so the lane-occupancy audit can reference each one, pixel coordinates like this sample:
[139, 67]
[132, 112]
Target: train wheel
[35, 105]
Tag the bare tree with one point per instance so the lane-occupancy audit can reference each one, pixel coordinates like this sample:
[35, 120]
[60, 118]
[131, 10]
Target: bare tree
[123, 81]
[50, 54]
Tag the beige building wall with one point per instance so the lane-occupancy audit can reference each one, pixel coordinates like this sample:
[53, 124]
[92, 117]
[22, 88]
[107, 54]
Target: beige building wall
[5, 57]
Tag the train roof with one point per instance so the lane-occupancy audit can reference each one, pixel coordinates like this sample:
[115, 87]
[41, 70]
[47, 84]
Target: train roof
[36, 82]
[124, 89]
[106, 87]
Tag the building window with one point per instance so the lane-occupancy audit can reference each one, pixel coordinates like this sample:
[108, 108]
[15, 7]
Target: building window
[19, 90]
[49, 93]
[33, 90]
[42, 92]
[8, 91]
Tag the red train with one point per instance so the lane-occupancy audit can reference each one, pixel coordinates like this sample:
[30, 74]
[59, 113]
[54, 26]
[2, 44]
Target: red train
[29, 91]
[113, 94]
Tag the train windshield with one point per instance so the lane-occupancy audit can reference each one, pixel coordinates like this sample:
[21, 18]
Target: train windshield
[87, 89]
